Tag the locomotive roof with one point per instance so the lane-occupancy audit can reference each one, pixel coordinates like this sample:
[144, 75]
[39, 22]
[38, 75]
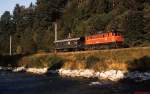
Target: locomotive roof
[72, 39]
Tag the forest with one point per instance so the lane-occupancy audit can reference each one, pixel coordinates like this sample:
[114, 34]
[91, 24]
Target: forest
[32, 28]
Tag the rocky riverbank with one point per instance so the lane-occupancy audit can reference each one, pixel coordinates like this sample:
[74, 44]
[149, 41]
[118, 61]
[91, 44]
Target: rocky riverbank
[29, 70]
[102, 64]
[113, 75]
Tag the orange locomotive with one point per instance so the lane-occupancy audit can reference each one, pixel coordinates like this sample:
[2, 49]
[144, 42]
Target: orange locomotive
[98, 41]
[104, 40]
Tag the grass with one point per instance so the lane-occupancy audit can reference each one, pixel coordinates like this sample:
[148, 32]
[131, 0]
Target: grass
[120, 59]
[52, 61]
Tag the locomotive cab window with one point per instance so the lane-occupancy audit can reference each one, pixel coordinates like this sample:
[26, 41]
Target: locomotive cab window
[103, 36]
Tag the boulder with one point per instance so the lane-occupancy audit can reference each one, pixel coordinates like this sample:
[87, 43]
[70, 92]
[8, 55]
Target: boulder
[37, 70]
[87, 73]
[18, 69]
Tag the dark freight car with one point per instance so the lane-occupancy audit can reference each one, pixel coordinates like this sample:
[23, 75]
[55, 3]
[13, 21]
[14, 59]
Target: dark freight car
[68, 44]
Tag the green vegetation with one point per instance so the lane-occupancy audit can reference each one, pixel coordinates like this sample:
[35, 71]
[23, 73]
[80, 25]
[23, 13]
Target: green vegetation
[122, 59]
[55, 62]
[33, 61]
[141, 64]
[119, 59]
[32, 28]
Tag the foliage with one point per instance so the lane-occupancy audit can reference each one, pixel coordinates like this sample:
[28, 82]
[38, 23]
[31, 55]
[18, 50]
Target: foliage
[141, 64]
[124, 59]
[55, 62]
[91, 60]
[32, 27]
[50, 61]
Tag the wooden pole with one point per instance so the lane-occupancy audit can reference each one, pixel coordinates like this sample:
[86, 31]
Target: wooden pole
[10, 48]
[55, 36]
[56, 31]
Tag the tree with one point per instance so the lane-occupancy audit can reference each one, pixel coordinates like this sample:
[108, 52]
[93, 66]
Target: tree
[6, 23]
[7, 29]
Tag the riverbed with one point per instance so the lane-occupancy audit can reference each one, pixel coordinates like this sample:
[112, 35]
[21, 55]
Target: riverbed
[25, 83]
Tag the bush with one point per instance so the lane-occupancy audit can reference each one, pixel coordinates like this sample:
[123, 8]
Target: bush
[91, 60]
[38, 62]
[52, 62]
[80, 57]
[142, 64]
[55, 62]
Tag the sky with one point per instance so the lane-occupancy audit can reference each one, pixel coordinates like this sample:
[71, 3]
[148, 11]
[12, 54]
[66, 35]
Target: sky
[8, 5]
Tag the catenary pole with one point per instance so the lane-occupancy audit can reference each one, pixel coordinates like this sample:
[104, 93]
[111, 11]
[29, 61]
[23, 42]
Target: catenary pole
[10, 44]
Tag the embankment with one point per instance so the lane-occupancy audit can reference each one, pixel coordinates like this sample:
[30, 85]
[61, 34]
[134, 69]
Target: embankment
[129, 59]
[101, 63]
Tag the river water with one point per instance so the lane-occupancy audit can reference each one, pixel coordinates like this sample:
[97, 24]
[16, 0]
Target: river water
[24, 83]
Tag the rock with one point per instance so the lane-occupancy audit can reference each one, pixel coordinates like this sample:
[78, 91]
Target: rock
[120, 75]
[1, 68]
[138, 76]
[133, 75]
[95, 83]
[87, 73]
[103, 75]
[60, 71]
[97, 74]
[75, 73]
[37, 70]
[66, 72]
[18, 69]
[103, 84]
[113, 75]
[147, 74]
[8, 68]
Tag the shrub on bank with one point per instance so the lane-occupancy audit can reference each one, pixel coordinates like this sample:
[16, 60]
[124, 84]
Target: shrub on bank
[55, 62]
[52, 61]
[34, 62]
[142, 64]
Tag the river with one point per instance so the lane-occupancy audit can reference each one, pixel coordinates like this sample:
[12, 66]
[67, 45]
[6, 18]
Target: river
[25, 83]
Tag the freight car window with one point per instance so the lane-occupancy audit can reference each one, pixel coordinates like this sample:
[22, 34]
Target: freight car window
[75, 43]
[61, 44]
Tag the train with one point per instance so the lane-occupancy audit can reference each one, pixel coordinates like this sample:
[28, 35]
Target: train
[99, 41]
